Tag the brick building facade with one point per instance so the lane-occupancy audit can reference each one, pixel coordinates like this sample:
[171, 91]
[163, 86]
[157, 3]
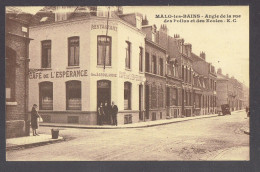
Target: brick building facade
[155, 60]
[17, 60]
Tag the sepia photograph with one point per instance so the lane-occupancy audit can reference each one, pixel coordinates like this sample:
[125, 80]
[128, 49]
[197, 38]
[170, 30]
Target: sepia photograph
[127, 83]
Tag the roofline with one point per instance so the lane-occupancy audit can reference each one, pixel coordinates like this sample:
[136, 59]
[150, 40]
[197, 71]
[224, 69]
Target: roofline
[88, 18]
[155, 44]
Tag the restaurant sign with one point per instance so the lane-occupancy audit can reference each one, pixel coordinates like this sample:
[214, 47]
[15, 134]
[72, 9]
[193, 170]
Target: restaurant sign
[125, 75]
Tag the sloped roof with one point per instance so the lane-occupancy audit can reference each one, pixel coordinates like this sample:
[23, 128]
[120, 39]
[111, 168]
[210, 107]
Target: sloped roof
[222, 77]
[18, 14]
[196, 57]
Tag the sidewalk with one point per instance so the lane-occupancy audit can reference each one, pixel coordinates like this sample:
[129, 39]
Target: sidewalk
[27, 141]
[134, 125]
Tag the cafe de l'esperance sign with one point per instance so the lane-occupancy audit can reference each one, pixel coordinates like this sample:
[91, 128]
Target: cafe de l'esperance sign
[78, 73]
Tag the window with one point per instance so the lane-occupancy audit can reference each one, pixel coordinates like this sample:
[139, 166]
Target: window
[140, 59]
[127, 95]
[10, 70]
[190, 76]
[183, 74]
[191, 102]
[46, 54]
[154, 96]
[161, 67]
[73, 95]
[128, 55]
[186, 79]
[173, 70]
[73, 49]
[104, 50]
[160, 96]
[154, 66]
[46, 96]
[174, 97]
[147, 62]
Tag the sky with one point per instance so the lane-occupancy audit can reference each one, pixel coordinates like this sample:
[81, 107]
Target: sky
[226, 44]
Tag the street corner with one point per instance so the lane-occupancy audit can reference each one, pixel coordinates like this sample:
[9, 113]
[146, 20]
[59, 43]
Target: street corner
[31, 141]
[235, 153]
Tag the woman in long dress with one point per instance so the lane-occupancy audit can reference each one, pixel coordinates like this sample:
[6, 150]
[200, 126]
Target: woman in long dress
[34, 120]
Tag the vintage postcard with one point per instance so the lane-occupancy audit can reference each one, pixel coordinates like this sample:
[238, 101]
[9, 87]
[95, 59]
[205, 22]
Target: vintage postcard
[127, 83]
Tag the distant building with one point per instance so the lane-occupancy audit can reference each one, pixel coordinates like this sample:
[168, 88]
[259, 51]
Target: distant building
[173, 78]
[17, 64]
[207, 81]
[229, 91]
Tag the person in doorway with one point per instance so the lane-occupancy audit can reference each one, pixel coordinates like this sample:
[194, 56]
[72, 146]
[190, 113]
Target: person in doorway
[107, 109]
[100, 114]
[114, 111]
[34, 120]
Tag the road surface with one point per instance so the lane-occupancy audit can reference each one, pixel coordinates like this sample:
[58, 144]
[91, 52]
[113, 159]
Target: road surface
[216, 138]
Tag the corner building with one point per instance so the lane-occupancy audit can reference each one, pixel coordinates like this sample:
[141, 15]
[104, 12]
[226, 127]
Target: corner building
[74, 67]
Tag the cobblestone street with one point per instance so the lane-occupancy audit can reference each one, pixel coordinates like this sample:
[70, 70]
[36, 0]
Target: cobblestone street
[216, 138]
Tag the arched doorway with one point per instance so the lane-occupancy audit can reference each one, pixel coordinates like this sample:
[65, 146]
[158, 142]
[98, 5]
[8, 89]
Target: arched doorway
[103, 91]
[104, 95]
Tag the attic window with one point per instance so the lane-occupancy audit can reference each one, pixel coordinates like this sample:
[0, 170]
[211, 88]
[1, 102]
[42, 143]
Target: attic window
[43, 19]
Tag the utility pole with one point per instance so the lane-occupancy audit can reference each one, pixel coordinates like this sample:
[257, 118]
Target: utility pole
[106, 41]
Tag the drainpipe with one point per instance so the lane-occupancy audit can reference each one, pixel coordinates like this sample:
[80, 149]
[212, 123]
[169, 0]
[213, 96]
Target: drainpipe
[27, 122]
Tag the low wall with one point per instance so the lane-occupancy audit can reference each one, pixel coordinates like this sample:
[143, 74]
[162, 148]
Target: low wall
[15, 128]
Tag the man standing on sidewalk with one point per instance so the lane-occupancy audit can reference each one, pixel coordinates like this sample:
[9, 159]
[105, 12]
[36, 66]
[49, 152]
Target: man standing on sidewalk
[114, 111]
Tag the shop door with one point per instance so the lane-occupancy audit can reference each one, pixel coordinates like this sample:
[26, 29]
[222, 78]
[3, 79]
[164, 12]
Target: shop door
[168, 101]
[140, 102]
[104, 95]
[147, 101]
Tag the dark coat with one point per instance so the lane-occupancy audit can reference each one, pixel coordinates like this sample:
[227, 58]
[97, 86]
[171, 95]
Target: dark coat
[34, 117]
[114, 110]
[107, 110]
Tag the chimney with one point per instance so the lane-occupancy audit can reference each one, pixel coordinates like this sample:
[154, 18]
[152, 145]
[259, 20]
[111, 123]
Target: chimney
[203, 55]
[145, 21]
[120, 10]
[164, 29]
[219, 71]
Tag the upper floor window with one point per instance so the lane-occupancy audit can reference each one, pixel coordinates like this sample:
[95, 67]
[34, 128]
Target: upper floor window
[46, 54]
[183, 74]
[147, 62]
[154, 66]
[104, 50]
[161, 67]
[140, 59]
[73, 49]
[190, 76]
[128, 55]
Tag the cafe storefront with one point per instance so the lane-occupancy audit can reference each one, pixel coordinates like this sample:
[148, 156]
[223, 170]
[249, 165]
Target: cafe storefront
[71, 73]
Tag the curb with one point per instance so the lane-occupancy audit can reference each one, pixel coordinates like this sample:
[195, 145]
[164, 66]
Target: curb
[124, 127]
[14, 147]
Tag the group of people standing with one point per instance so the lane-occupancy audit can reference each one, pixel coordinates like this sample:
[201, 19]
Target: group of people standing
[107, 114]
